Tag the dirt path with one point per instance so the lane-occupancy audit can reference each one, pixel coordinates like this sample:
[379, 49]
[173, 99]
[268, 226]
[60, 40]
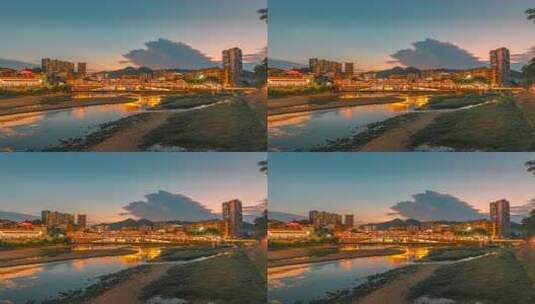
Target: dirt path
[397, 140]
[396, 291]
[128, 139]
[129, 290]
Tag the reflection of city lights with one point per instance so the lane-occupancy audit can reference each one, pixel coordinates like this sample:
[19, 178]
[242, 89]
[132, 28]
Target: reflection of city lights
[9, 277]
[279, 273]
[411, 254]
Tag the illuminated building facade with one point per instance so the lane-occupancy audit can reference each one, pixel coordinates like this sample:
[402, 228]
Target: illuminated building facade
[500, 218]
[232, 66]
[232, 218]
[500, 62]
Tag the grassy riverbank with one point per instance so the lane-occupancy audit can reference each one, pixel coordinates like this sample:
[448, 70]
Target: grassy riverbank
[224, 279]
[455, 253]
[31, 92]
[186, 254]
[232, 126]
[444, 102]
[500, 126]
[280, 92]
[189, 101]
[498, 278]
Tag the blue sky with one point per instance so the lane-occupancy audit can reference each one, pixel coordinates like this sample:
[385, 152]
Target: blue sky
[100, 31]
[100, 184]
[367, 184]
[367, 32]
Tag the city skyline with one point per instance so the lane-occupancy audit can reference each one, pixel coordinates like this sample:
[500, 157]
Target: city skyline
[113, 187]
[384, 34]
[194, 32]
[379, 187]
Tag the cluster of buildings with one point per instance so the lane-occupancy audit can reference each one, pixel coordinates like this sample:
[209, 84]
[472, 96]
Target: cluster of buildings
[55, 68]
[76, 228]
[14, 80]
[214, 78]
[344, 77]
[496, 228]
[11, 231]
[76, 76]
[64, 221]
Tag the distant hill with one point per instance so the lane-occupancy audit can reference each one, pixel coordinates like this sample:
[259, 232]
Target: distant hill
[130, 223]
[16, 217]
[16, 65]
[285, 65]
[397, 223]
[285, 217]
[398, 71]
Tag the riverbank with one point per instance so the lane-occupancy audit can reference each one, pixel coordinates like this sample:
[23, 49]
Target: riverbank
[222, 125]
[30, 256]
[299, 104]
[392, 134]
[503, 125]
[506, 124]
[230, 278]
[494, 278]
[299, 256]
[126, 135]
[32, 104]
[400, 285]
[230, 126]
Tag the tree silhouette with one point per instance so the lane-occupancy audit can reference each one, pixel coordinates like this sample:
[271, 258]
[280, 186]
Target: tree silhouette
[263, 166]
[263, 14]
[531, 14]
[531, 166]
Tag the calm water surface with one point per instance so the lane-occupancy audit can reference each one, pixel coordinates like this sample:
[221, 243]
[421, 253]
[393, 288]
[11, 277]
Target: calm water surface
[45, 281]
[303, 131]
[304, 283]
[37, 131]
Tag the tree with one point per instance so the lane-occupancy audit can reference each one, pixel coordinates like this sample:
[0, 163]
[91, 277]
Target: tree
[531, 166]
[263, 14]
[528, 224]
[261, 72]
[530, 13]
[260, 224]
[263, 166]
[529, 72]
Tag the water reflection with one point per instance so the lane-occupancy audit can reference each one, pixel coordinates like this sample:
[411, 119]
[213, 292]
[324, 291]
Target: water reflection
[37, 131]
[44, 281]
[304, 283]
[303, 131]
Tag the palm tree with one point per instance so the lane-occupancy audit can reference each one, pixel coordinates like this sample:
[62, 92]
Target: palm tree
[263, 14]
[263, 166]
[531, 14]
[531, 166]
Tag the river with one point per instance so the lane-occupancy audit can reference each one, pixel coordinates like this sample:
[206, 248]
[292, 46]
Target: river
[41, 130]
[303, 131]
[304, 283]
[39, 282]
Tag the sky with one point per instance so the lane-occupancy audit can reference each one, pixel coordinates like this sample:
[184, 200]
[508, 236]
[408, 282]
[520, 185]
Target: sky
[368, 184]
[368, 32]
[101, 31]
[101, 184]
